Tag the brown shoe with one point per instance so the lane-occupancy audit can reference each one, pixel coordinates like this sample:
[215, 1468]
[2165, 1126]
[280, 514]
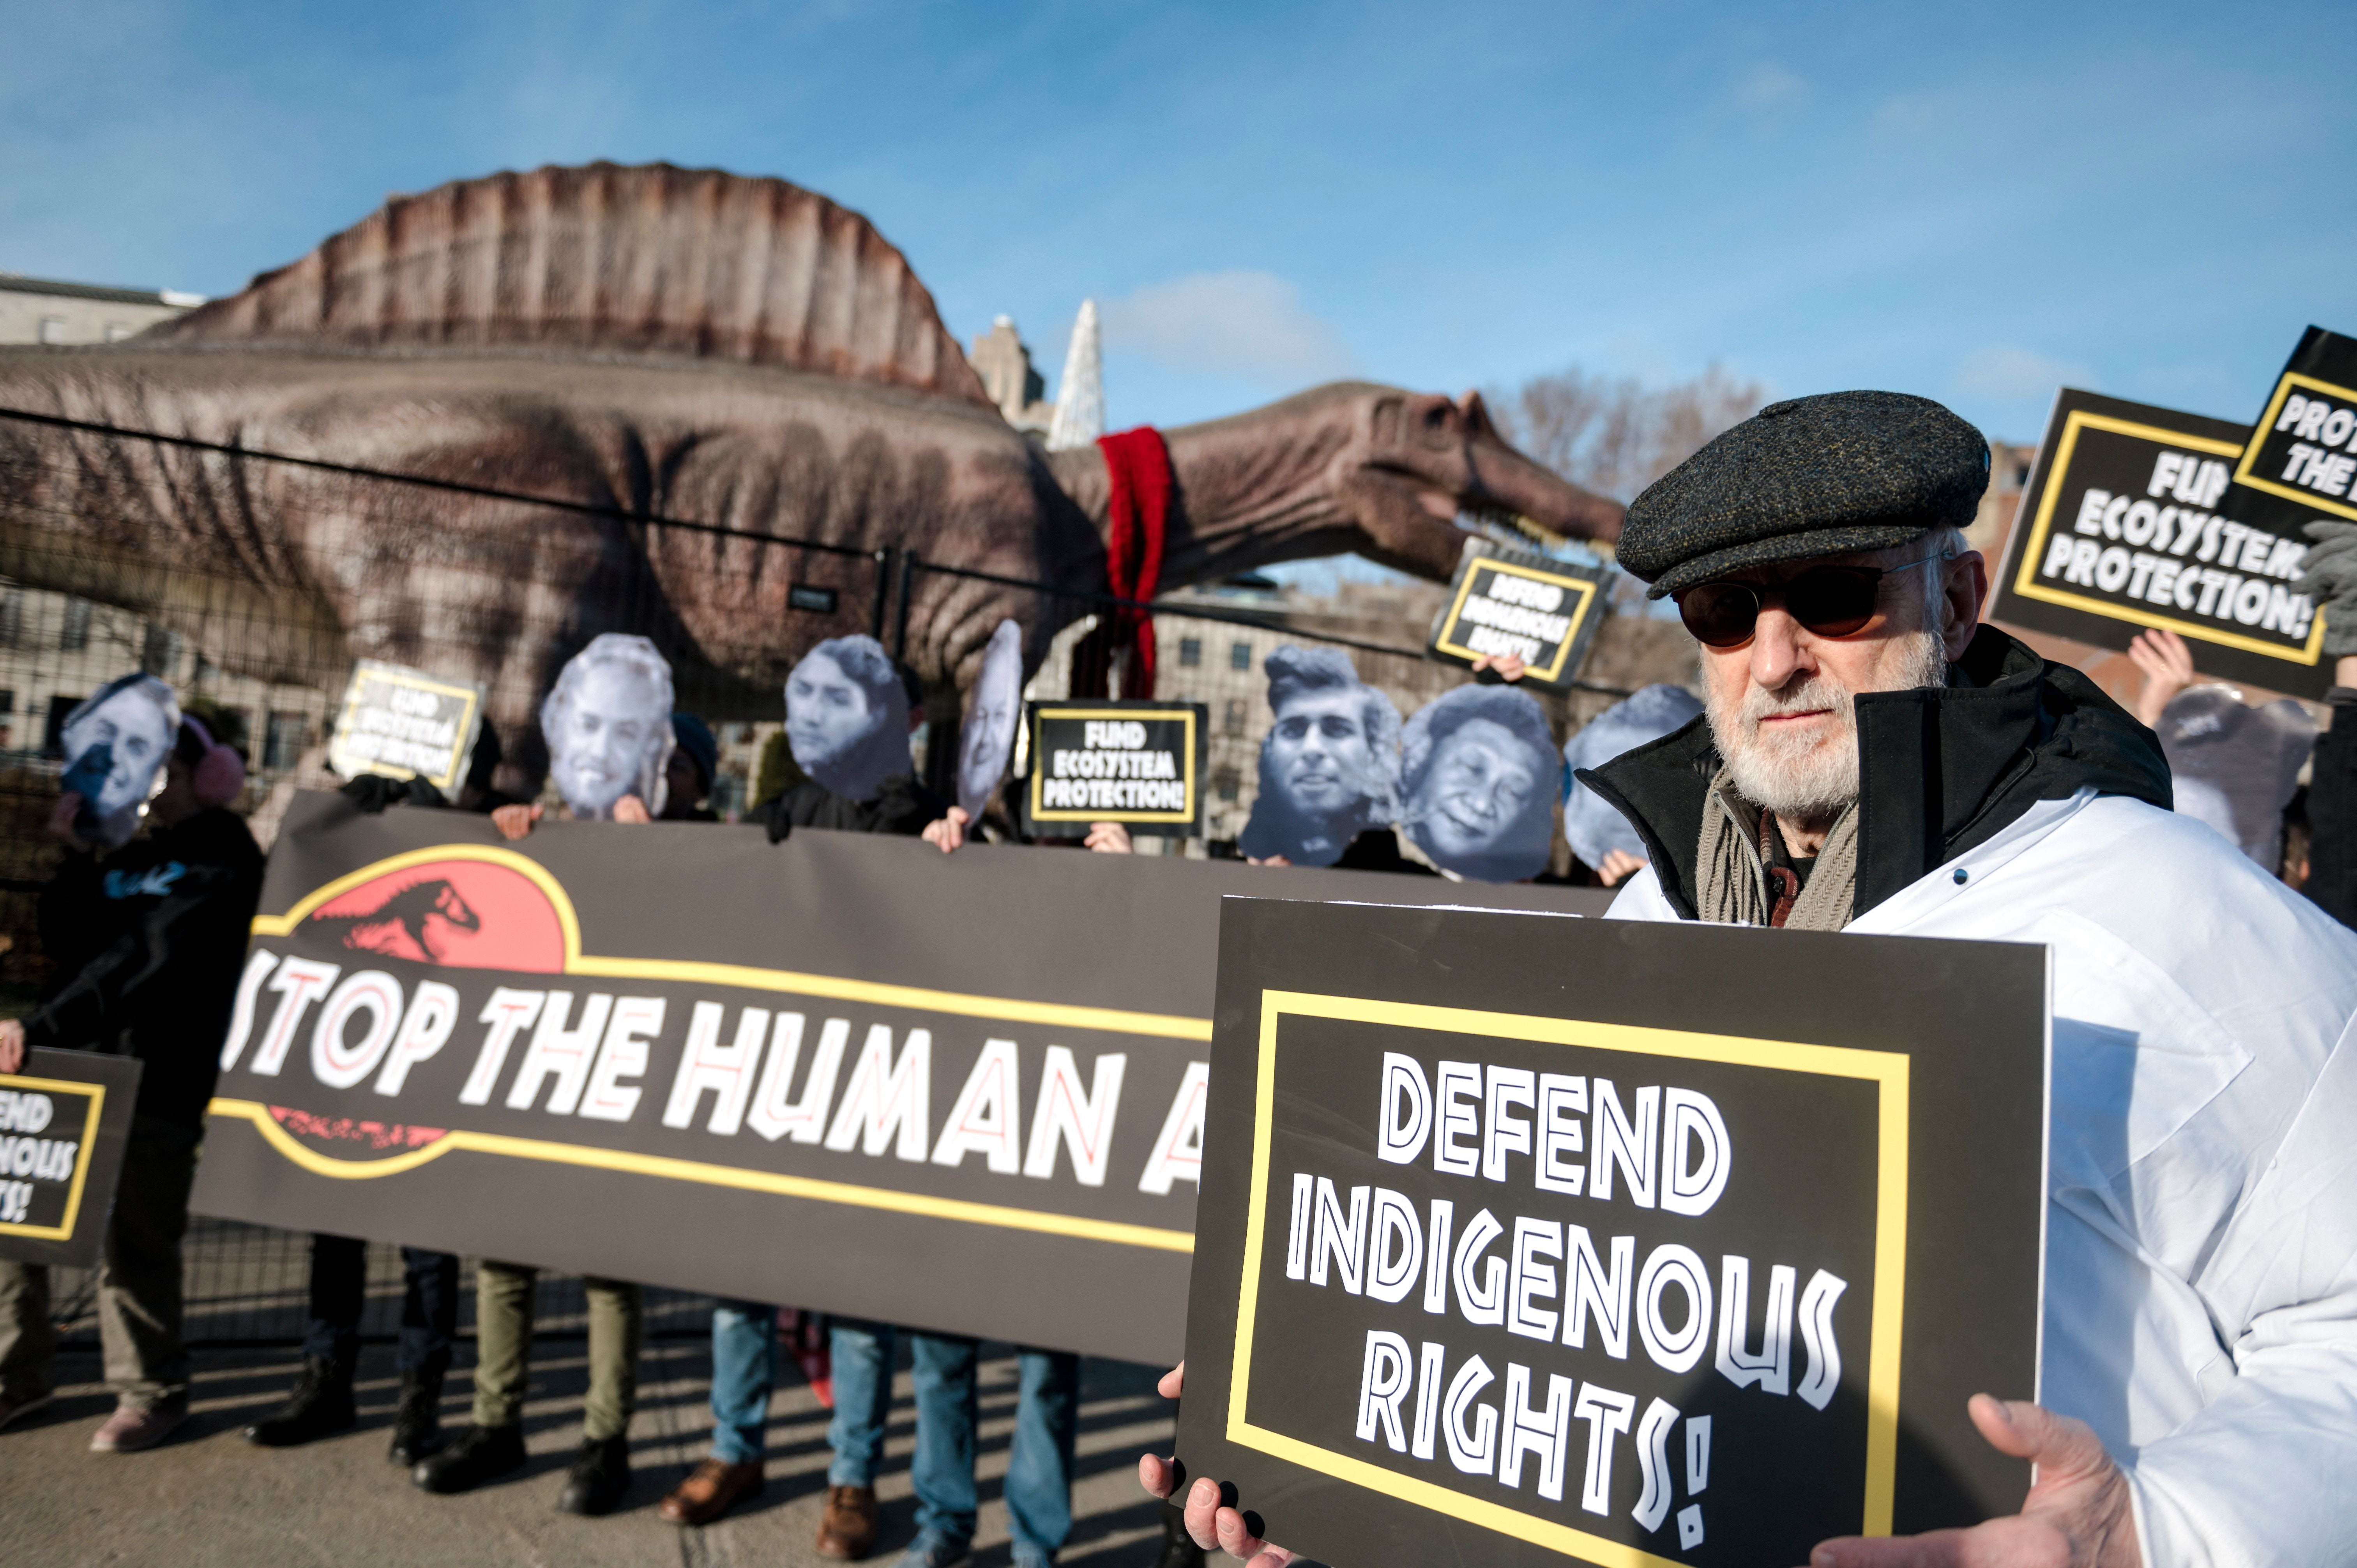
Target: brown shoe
[710, 1490]
[848, 1531]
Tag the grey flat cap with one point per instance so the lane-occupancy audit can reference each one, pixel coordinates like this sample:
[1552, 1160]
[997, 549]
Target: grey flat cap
[1813, 476]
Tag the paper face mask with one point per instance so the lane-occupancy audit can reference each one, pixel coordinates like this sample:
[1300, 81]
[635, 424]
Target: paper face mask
[1593, 828]
[848, 717]
[1480, 770]
[607, 725]
[1329, 763]
[114, 742]
[988, 739]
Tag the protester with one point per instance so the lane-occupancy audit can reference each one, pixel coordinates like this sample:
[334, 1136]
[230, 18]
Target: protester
[2329, 576]
[2233, 765]
[1477, 768]
[1329, 765]
[321, 1404]
[149, 939]
[113, 744]
[1600, 838]
[992, 715]
[605, 722]
[842, 702]
[2198, 1356]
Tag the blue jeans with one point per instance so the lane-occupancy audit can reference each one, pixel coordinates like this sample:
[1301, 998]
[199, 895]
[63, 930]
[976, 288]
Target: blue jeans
[429, 1304]
[1039, 1469]
[743, 1371]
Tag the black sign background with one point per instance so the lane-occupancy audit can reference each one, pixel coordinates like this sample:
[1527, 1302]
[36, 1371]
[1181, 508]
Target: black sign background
[2148, 533]
[1891, 1136]
[2301, 464]
[1573, 593]
[91, 1098]
[369, 718]
[1178, 731]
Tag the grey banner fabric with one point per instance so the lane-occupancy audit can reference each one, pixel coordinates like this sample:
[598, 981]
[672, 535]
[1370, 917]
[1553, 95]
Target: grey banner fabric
[960, 1092]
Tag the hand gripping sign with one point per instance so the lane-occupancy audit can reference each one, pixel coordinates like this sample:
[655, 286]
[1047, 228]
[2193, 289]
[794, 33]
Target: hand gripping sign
[1529, 1239]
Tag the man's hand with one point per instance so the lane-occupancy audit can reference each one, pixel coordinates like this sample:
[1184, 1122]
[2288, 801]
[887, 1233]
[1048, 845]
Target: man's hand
[1109, 838]
[1209, 1523]
[12, 1045]
[945, 833]
[2168, 666]
[2077, 1514]
[1504, 666]
[515, 822]
[631, 809]
[61, 819]
[1267, 860]
[1618, 867]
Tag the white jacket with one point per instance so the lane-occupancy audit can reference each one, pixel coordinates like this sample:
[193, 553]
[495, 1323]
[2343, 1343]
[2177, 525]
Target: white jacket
[2201, 1241]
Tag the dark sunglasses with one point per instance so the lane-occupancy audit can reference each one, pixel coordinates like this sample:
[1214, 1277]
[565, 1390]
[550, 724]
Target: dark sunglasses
[1831, 601]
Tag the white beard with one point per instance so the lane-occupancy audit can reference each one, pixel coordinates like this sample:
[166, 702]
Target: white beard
[1806, 779]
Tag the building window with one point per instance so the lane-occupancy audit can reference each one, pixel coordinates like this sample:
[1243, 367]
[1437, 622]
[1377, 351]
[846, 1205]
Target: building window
[7, 718]
[156, 650]
[12, 619]
[61, 707]
[116, 331]
[1240, 656]
[1231, 722]
[1225, 783]
[73, 633]
[53, 328]
[284, 746]
[1191, 651]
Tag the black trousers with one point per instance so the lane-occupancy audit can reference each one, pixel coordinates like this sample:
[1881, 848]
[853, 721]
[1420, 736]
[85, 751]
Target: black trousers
[429, 1304]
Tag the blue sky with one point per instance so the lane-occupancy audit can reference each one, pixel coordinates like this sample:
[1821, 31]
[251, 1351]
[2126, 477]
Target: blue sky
[1972, 203]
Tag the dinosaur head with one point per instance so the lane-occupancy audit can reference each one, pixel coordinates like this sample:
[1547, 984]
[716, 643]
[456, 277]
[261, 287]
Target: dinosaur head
[1421, 459]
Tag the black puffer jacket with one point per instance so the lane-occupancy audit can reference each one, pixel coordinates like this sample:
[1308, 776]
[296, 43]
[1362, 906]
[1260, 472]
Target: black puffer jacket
[150, 941]
[901, 806]
[1940, 771]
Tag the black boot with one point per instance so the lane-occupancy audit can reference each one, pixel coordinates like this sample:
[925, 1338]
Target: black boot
[320, 1406]
[417, 1419]
[601, 1473]
[481, 1454]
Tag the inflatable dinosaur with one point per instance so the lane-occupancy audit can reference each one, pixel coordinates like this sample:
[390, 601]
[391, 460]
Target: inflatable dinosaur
[663, 343]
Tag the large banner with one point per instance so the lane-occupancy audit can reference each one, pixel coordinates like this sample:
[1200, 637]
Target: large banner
[961, 1092]
[1636, 1244]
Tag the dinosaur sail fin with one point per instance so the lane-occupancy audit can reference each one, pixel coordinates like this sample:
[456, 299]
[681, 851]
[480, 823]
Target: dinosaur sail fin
[649, 260]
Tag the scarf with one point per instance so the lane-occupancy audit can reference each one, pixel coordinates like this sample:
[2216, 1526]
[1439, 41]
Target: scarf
[1733, 872]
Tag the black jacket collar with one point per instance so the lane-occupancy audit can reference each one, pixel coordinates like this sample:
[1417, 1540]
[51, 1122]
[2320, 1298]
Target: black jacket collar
[1941, 769]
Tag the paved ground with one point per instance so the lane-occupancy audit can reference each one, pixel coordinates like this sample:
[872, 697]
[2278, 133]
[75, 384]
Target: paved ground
[206, 1498]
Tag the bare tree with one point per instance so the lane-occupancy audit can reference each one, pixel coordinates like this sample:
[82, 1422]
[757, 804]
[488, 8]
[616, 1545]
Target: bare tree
[1615, 435]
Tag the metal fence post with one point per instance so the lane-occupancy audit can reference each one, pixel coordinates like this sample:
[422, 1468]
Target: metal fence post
[883, 588]
[907, 591]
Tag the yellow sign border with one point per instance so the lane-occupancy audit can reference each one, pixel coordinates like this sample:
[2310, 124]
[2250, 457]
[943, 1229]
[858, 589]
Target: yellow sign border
[2033, 546]
[1889, 1069]
[1184, 712]
[1551, 672]
[2265, 427]
[97, 1092]
[415, 681]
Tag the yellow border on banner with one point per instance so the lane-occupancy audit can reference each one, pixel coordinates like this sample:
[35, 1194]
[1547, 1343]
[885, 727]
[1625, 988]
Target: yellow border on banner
[833, 988]
[97, 1092]
[1887, 1068]
[1194, 783]
[2266, 427]
[415, 682]
[1552, 671]
[2033, 548]
[710, 1175]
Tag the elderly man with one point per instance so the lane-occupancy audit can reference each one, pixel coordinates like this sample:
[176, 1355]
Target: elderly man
[1871, 759]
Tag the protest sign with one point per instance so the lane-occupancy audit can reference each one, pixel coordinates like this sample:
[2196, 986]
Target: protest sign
[1543, 610]
[1139, 764]
[962, 1092]
[405, 724]
[2301, 459]
[1526, 1240]
[2126, 524]
[63, 1120]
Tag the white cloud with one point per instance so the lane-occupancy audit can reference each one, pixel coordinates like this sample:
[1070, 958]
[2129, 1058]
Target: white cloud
[2002, 370]
[1769, 86]
[1250, 324]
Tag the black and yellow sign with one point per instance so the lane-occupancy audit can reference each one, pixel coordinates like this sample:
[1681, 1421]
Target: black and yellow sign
[1139, 764]
[1543, 611]
[405, 724]
[2127, 523]
[1526, 1247]
[2304, 450]
[63, 1125]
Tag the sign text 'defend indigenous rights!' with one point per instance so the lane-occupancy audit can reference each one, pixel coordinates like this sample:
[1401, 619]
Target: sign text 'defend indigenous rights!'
[1531, 1239]
[963, 1092]
[63, 1120]
[2127, 523]
[1541, 610]
[1137, 763]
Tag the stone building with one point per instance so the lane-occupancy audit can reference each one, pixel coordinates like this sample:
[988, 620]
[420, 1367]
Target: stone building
[40, 310]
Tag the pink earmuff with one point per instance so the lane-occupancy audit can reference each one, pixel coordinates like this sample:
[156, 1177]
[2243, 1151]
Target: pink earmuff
[220, 775]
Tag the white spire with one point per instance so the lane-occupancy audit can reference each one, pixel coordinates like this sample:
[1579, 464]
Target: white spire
[1080, 394]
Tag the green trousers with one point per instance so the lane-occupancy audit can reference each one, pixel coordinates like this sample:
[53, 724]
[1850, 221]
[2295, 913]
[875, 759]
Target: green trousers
[503, 1310]
[139, 1301]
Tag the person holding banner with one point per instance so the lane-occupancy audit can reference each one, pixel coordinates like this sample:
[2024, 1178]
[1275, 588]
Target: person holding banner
[2199, 1358]
[149, 938]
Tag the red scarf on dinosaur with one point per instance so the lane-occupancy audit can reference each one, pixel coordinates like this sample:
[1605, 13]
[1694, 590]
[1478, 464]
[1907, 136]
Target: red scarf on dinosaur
[1137, 514]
